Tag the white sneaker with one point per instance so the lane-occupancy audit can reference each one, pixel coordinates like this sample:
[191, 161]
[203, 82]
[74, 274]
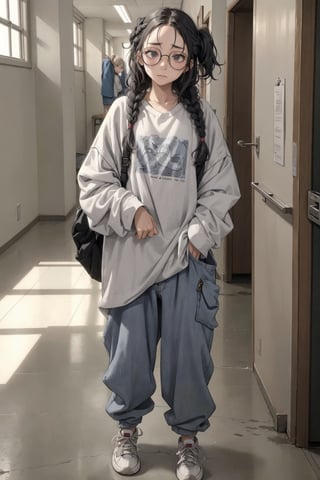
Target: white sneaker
[189, 466]
[125, 458]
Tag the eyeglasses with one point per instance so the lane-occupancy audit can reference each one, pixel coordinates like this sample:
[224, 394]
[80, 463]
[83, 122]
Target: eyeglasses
[152, 56]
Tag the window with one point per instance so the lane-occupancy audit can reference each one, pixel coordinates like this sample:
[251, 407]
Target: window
[107, 40]
[107, 49]
[13, 31]
[78, 44]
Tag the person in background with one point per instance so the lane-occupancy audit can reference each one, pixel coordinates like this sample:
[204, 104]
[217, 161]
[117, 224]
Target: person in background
[111, 87]
[158, 267]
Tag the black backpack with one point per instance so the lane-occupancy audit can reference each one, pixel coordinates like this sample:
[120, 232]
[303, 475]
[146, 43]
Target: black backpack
[89, 243]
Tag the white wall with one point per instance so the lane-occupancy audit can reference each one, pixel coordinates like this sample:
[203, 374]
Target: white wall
[94, 47]
[68, 108]
[119, 44]
[18, 179]
[55, 106]
[37, 134]
[274, 37]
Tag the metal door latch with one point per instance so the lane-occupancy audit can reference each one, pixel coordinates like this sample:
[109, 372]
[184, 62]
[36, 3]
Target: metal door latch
[244, 144]
[314, 207]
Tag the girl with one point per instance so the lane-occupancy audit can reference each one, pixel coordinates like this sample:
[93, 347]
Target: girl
[158, 272]
[111, 86]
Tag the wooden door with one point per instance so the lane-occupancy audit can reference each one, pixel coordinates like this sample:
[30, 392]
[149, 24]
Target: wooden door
[315, 279]
[239, 127]
[303, 134]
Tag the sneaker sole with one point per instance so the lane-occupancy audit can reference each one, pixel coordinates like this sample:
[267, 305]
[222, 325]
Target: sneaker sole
[192, 477]
[127, 474]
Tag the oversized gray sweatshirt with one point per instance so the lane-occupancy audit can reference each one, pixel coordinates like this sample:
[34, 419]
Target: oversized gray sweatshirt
[162, 178]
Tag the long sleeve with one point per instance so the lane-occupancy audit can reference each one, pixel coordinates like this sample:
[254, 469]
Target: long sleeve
[218, 191]
[110, 208]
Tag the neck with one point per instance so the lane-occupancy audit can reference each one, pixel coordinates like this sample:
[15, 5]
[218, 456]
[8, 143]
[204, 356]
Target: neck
[162, 95]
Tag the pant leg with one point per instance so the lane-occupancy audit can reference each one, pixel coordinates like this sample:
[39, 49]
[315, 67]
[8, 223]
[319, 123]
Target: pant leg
[189, 305]
[131, 338]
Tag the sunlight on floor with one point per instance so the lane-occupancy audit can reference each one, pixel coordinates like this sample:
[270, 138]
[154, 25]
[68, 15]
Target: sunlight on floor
[51, 294]
[13, 350]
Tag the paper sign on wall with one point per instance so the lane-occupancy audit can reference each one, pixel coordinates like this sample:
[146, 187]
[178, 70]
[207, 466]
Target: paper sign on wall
[279, 121]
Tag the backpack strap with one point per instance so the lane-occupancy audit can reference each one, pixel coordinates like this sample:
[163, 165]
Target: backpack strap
[125, 162]
[200, 172]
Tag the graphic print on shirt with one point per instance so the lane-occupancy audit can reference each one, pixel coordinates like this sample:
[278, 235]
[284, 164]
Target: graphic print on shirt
[162, 157]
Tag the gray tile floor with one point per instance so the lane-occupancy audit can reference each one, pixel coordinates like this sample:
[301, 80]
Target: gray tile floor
[52, 420]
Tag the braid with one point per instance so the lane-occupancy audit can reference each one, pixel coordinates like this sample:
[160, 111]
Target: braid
[191, 102]
[135, 34]
[137, 87]
[133, 108]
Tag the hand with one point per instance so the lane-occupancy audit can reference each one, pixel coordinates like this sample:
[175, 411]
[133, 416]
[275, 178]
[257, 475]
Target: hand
[194, 251]
[145, 224]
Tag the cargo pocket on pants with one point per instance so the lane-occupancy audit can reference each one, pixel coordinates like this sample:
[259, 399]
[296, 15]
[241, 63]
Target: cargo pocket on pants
[207, 307]
[207, 303]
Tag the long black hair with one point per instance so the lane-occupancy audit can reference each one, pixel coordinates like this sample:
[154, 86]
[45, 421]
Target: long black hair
[202, 60]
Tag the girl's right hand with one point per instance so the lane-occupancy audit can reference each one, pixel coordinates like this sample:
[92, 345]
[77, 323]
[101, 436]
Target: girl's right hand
[144, 224]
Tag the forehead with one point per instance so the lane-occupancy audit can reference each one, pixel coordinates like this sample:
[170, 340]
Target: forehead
[165, 35]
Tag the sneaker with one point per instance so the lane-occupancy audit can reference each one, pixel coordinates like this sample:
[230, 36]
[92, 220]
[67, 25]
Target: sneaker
[189, 466]
[125, 458]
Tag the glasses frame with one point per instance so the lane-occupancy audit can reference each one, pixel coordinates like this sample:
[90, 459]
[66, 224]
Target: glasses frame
[162, 55]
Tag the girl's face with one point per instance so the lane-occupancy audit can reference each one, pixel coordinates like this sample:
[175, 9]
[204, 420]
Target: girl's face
[164, 55]
[118, 69]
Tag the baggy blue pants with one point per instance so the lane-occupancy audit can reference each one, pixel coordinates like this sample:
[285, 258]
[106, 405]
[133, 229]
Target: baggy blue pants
[181, 311]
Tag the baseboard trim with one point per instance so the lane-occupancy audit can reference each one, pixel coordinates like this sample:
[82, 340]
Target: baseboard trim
[51, 218]
[56, 218]
[10, 242]
[280, 420]
[40, 218]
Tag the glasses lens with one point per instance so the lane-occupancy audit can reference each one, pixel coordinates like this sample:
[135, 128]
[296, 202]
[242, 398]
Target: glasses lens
[151, 56]
[177, 60]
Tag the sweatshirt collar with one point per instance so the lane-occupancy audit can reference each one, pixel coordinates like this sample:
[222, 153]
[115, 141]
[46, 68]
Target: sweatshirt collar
[156, 113]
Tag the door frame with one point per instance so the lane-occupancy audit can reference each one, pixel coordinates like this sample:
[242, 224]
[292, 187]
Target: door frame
[302, 230]
[203, 21]
[231, 11]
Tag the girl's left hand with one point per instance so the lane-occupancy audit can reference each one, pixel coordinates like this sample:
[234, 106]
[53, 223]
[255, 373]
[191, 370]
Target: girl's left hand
[194, 251]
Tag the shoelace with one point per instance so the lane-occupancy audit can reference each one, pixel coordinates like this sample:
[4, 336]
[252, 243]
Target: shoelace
[189, 455]
[127, 445]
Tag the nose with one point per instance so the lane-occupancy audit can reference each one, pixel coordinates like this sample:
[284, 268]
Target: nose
[164, 63]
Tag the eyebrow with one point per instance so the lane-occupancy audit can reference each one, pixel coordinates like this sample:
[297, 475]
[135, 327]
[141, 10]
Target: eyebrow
[172, 46]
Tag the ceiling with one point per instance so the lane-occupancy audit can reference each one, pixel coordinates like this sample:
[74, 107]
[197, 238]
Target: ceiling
[115, 26]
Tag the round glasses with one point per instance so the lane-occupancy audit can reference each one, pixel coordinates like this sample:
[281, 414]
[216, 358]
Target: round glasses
[151, 56]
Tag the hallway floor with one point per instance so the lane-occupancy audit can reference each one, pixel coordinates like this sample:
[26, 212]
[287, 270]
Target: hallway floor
[52, 420]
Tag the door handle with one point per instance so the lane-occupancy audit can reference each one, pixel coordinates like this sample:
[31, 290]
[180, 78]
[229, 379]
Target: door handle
[244, 144]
